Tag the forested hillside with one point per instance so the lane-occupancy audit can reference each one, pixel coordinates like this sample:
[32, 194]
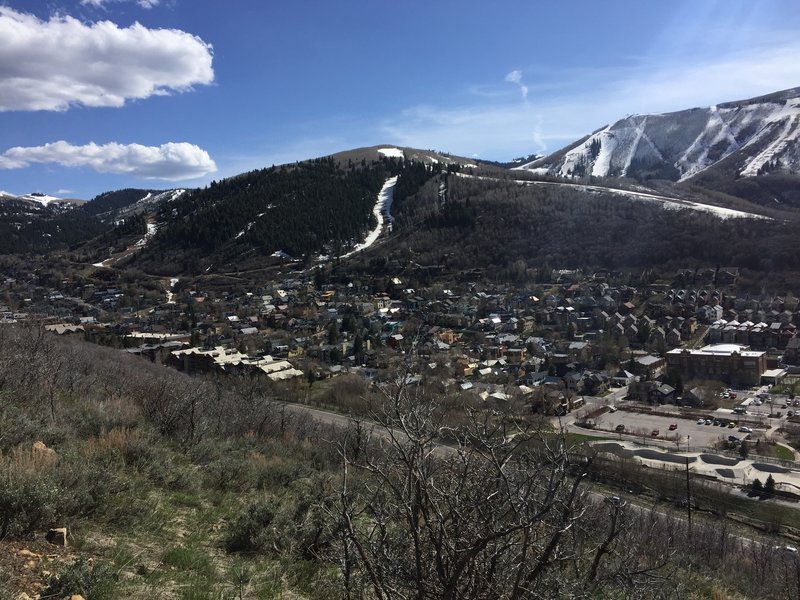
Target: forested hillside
[486, 223]
[315, 207]
[26, 229]
[112, 201]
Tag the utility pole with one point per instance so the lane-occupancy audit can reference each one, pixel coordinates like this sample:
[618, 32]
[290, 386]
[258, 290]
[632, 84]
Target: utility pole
[688, 497]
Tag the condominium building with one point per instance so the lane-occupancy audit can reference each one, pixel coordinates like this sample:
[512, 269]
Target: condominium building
[731, 363]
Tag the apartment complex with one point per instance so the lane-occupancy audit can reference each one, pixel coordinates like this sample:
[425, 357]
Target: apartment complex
[730, 363]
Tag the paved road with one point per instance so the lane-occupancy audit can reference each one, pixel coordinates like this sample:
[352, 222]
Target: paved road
[343, 421]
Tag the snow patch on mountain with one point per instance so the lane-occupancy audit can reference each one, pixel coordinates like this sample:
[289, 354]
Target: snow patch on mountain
[42, 199]
[391, 152]
[762, 134]
[666, 202]
[788, 122]
[152, 228]
[608, 143]
[249, 226]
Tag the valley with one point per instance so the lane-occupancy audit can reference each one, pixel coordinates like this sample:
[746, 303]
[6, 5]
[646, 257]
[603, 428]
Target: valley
[226, 389]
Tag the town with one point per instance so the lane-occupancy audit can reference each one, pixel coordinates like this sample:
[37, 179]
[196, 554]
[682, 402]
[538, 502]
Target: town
[578, 346]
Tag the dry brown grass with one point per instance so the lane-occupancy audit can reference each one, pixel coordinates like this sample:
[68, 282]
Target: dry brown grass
[35, 459]
[117, 440]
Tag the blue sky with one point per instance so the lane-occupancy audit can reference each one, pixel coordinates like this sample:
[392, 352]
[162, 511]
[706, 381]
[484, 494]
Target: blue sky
[98, 95]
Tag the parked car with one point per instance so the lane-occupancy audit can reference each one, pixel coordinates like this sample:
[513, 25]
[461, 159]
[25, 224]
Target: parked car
[731, 425]
[701, 421]
[673, 426]
[733, 438]
[620, 427]
[745, 430]
[654, 433]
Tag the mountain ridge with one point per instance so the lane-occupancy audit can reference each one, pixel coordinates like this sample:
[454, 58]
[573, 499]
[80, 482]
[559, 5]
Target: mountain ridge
[761, 134]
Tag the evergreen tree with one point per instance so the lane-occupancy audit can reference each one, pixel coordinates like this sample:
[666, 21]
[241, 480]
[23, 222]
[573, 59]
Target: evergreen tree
[769, 487]
[333, 332]
[744, 449]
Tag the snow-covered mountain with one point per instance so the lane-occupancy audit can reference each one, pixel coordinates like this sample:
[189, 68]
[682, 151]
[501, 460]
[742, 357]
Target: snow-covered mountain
[37, 203]
[753, 137]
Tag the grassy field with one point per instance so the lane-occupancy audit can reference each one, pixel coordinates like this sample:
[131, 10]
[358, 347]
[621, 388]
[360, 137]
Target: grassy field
[781, 452]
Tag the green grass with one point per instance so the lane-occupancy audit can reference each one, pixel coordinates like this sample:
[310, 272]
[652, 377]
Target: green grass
[186, 558]
[782, 452]
[577, 438]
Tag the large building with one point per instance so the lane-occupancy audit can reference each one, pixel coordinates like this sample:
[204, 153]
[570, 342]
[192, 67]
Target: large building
[730, 363]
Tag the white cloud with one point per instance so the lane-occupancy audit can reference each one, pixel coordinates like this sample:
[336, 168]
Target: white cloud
[55, 64]
[516, 78]
[102, 3]
[173, 161]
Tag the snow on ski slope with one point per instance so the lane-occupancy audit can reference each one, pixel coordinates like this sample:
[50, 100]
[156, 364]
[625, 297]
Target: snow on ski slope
[666, 202]
[608, 143]
[170, 294]
[788, 135]
[720, 131]
[688, 142]
[152, 228]
[381, 211]
[151, 231]
[675, 203]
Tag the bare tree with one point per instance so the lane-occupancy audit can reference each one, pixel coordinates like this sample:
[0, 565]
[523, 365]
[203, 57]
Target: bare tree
[501, 512]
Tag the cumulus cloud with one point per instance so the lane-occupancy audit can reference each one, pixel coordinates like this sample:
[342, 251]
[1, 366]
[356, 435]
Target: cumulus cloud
[62, 62]
[515, 77]
[172, 161]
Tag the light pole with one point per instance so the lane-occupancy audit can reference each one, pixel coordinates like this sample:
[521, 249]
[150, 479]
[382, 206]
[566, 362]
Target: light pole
[688, 437]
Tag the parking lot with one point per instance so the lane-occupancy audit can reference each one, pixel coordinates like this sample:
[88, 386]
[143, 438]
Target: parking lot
[640, 426]
[687, 432]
